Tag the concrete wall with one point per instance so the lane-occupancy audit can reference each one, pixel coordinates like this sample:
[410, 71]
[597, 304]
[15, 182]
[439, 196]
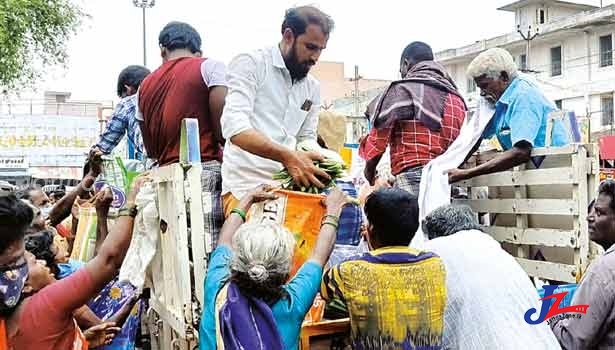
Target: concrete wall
[526, 16]
[529, 15]
[557, 12]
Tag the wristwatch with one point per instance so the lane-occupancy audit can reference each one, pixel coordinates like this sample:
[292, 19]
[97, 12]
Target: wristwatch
[131, 211]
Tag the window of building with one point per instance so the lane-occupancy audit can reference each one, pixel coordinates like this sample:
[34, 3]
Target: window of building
[471, 85]
[606, 50]
[542, 16]
[556, 61]
[523, 62]
[606, 107]
[558, 104]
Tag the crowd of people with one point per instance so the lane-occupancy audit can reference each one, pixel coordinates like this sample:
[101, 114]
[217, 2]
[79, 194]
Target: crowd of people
[48, 300]
[460, 291]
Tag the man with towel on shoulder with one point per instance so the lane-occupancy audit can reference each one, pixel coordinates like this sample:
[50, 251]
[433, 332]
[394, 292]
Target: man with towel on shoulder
[418, 116]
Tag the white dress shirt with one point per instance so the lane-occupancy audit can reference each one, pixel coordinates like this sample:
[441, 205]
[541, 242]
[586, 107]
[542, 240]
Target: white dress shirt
[262, 96]
[488, 294]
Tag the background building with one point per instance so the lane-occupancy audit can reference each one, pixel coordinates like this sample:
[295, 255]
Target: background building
[347, 96]
[47, 141]
[335, 86]
[571, 56]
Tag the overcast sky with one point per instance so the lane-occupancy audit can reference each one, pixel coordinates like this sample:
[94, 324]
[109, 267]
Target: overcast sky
[370, 34]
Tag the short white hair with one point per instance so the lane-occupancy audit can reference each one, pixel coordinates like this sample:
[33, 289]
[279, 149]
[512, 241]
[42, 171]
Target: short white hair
[492, 63]
[262, 250]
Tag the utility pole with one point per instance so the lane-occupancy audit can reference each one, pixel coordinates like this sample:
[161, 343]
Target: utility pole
[144, 4]
[587, 93]
[355, 93]
[528, 38]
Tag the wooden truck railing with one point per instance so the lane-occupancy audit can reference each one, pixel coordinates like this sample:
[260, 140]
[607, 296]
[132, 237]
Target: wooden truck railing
[532, 212]
[178, 271]
[541, 212]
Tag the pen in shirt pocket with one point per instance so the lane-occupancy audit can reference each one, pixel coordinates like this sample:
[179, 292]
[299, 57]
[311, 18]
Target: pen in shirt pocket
[307, 105]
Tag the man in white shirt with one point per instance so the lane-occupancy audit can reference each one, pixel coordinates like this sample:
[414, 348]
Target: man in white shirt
[271, 105]
[488, 293]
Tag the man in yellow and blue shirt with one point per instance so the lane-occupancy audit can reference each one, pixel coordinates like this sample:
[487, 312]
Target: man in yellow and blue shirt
[395, 295]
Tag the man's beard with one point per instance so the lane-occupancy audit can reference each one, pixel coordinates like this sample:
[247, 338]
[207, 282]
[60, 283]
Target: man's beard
[297, 70]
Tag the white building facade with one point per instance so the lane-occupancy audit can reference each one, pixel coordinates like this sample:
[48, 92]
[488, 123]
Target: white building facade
[572, 57]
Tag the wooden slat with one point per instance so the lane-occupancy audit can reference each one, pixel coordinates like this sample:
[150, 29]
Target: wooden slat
[177, 324]
[548, 270]
[580, 195]
[544, 151]
[481, 157]
[175, 264]
[551, 151]
[522, 206]
[201, 241]
[163, 174]
[553, 176]
[534, 236]
[523, 251]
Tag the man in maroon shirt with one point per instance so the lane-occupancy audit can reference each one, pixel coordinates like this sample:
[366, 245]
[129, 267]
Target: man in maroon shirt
[419, 117]
[186, 85]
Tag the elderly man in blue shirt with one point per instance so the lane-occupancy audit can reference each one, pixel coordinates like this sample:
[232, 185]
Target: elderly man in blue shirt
[521, 114]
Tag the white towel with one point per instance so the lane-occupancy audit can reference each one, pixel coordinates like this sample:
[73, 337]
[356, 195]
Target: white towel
[435, 191]
[143, 245]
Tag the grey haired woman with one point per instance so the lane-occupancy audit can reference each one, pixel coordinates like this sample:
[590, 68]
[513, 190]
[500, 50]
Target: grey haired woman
[249, 302]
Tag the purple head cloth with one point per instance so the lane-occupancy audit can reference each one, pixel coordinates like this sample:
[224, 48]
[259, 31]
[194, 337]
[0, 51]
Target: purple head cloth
[247, 323]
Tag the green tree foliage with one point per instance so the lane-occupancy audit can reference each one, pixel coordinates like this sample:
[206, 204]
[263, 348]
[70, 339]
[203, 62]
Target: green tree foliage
[33, 37]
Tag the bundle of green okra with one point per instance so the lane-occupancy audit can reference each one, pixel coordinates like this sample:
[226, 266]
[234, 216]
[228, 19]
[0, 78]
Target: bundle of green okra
[334, 169]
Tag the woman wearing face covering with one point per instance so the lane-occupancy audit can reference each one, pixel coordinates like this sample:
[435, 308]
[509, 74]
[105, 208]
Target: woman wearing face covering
[43, 318]
[15, 217]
